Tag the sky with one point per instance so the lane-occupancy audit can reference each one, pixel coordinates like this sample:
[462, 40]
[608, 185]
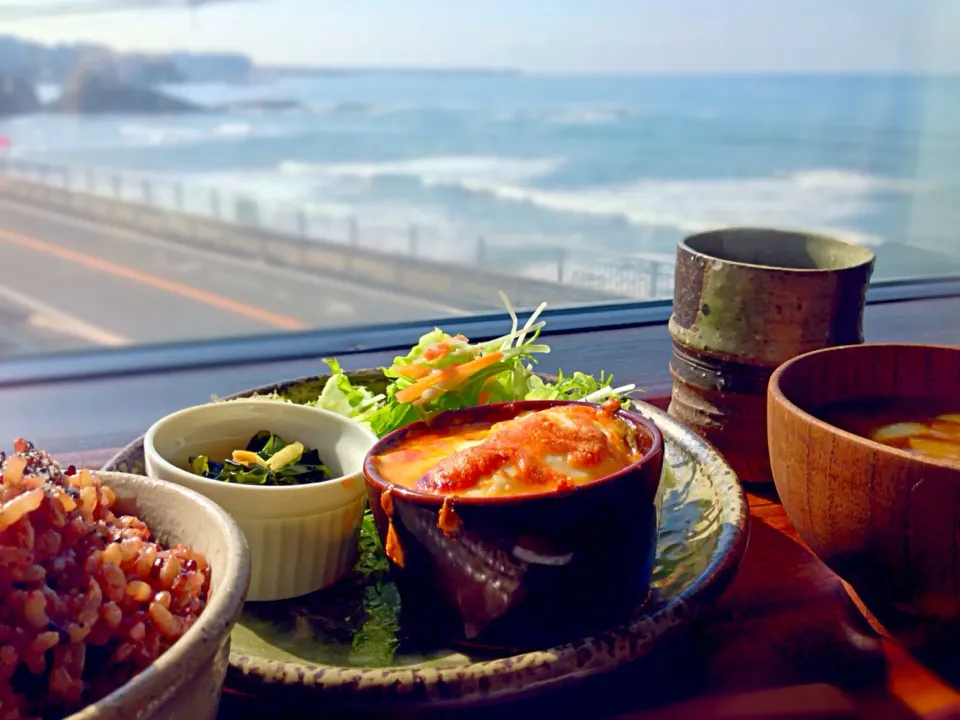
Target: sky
[546, 36]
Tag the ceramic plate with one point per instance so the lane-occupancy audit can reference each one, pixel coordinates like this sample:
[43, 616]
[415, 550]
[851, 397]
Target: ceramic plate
[345, 642]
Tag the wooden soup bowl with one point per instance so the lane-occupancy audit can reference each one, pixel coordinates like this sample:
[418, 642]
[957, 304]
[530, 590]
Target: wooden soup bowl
[528, 570]
[886, 520]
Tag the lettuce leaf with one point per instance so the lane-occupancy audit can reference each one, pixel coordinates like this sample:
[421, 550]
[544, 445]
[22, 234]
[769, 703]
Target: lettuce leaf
[341, 396]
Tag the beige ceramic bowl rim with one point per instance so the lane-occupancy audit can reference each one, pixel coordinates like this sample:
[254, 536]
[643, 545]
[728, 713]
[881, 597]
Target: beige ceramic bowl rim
[775, 392]
[867, 256]
[178, 665]
[149, 448]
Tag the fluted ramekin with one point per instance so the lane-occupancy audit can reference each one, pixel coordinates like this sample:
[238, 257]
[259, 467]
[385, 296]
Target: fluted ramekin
[302, 538]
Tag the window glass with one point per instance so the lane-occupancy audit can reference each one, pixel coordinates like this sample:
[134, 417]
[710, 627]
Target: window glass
[182, 170]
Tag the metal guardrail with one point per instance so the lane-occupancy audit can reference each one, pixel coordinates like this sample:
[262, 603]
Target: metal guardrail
[624, 276]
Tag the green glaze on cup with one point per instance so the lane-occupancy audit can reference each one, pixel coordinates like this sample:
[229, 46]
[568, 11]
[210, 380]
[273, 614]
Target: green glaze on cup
[348, 643]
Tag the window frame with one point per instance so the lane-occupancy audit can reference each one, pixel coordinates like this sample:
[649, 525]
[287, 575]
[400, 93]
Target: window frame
[18, 371]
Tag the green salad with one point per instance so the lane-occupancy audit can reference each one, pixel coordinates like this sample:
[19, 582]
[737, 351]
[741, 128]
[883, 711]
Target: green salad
[448, 372]
[267, 459]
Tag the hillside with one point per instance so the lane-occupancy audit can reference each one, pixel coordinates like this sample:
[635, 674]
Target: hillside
[95, 86]
[17, 96]
[55, 63]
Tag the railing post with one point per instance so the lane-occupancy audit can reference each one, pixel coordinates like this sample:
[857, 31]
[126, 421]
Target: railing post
[147, 192]
[561, 261]
[354, 231]
[654, 278]
[247, 212]
[178, 196]
[117, 186]
[302, 222]
[414, 241]
[481, 251]
[91, 180]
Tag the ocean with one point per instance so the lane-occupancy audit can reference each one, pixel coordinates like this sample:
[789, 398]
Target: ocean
[514, 168]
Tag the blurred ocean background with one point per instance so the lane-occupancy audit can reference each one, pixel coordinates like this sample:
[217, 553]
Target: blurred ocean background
[521, 165]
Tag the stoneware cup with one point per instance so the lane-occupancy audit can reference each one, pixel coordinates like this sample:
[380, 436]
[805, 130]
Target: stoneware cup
[886, 520]
[528, 570]
[184, 682]
[745, 301]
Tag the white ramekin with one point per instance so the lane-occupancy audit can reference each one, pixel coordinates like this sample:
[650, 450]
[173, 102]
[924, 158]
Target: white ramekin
[302, 537]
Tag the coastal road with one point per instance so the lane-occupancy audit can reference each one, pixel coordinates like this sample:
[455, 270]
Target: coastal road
[67, 282]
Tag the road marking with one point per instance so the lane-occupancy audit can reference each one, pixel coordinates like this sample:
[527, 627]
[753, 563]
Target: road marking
[138, 276]
[222, 258]
[47, 317]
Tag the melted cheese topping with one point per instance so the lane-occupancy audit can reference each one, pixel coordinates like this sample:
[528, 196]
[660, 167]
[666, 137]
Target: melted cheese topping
[537, 452]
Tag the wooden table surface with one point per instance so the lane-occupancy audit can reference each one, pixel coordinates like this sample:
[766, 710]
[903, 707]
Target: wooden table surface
[784, 641]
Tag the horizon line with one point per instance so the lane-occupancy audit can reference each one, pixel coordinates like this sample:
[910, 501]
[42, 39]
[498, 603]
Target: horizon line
[307, 68]
[493, 69]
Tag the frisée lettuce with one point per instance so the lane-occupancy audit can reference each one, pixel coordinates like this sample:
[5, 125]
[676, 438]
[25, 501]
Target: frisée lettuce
[448, 372]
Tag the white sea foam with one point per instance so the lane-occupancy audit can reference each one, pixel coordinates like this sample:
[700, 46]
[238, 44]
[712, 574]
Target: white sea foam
[135, 134]
[431, 171]
[816, 200]
[363, 109]
[828, 200]
[232, 129]
[821, 199]
[590, 116]
[173, 135]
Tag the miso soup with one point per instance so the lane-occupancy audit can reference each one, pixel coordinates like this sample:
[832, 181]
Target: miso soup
[926, 426]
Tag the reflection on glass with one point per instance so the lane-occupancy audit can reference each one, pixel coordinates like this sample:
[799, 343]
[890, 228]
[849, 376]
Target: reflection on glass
[171, 173]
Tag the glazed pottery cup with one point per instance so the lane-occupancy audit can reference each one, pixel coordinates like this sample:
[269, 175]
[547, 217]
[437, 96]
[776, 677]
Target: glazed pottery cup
[184, 682]
[745, 301]
[886, 520]
[522, 571]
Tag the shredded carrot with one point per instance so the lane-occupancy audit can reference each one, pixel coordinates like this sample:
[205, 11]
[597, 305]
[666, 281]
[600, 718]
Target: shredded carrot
[435, 352]
[440, 349]
[414, 372]
[484, 395]
[448, 377]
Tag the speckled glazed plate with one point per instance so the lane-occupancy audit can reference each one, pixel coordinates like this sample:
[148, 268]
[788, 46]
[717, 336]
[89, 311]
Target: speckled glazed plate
[346, 644]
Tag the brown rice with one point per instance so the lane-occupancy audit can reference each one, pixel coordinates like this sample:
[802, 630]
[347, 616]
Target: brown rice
[87, 599]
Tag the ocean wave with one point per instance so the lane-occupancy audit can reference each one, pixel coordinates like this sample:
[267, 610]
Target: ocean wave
[590, 116]
[148, 135]
[232, 129]
[363, 109]
[816, 200]
[848, 181]
[160, 134]
[433, 171]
